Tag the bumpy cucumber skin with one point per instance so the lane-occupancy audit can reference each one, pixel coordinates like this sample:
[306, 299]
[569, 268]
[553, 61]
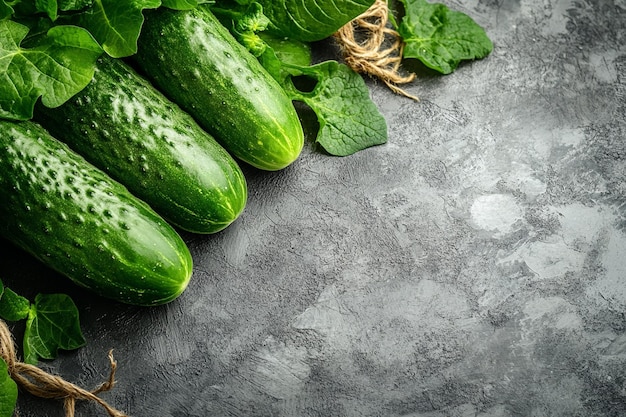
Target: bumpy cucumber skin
[124, 126]
[196, 62]
[78, 221]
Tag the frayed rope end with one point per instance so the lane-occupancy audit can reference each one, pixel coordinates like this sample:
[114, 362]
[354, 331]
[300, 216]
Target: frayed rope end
[39, 383]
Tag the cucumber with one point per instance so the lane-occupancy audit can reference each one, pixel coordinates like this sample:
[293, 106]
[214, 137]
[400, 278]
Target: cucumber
[197, 63]
[80, 222]
[124, 126]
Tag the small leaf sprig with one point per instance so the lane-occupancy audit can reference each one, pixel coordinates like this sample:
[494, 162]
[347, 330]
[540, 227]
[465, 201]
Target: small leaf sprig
[52, 323]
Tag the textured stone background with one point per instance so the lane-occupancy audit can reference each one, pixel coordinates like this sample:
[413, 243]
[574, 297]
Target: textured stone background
[473, 266]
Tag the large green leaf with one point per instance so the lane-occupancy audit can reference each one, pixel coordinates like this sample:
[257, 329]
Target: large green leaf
[348, 118]
[439, 37]
[116, 24]
[311, 20]
[55, 68]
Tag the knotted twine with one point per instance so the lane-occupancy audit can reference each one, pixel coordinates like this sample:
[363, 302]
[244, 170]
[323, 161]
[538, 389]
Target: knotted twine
[39, 383]
[370, 46]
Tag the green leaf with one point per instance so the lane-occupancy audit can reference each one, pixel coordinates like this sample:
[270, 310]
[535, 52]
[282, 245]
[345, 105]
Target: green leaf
[349, 120]
[116, 24]
[52, 324]
[180, 4]
[58, 66]
[49, 7]
[67, 5]
[8, 391]
[6, 11]
[439, 37]
[289, 51]
[52, 7]
[274, 66]
[280, 54]
[311, 20]
[13, 307]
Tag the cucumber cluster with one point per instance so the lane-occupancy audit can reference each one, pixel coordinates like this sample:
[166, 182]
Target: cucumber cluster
[97, 188]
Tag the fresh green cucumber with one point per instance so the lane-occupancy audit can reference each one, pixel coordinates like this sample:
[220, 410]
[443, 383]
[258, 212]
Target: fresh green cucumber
[80, 222]
[126, 127]
[197, 63]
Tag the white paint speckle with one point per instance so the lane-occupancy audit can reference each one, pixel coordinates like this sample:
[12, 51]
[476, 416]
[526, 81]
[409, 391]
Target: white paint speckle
[496, 213]
[548, 259]
[569, 136]
[582, 224]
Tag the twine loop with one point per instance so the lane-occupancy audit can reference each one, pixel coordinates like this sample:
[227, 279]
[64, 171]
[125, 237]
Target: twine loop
[370, 46]
[39, 383]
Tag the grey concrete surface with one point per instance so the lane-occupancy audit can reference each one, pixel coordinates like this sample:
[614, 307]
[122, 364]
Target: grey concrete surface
[474, 266]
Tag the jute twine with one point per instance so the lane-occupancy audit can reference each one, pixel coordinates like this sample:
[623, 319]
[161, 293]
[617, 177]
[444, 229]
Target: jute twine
[38, 382]
[370, 46]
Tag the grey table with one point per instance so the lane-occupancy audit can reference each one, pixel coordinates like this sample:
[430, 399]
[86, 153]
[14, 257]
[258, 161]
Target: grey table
[473, 266]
